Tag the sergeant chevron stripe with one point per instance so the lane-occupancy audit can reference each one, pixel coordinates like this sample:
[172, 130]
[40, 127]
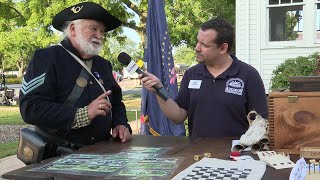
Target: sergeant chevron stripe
[31, 85]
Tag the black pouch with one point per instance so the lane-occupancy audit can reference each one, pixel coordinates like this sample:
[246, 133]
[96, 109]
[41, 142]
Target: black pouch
[33, 148]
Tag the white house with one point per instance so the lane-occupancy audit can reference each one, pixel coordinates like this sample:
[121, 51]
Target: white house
[270, 31]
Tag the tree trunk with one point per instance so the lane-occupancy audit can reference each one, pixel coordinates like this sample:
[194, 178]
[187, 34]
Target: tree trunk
[21, 67]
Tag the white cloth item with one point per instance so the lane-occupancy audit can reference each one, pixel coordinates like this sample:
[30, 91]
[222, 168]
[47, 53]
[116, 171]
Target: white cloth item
[256, 131]
[257, 168]
[299, 171]
[235, 143]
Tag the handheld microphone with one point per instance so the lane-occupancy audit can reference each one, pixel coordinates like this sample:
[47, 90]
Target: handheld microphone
[125, 59]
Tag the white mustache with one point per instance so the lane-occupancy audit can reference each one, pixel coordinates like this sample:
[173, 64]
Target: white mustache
[95, 40]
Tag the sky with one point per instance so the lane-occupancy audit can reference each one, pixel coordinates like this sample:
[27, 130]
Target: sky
[128, 31]
[131, 34]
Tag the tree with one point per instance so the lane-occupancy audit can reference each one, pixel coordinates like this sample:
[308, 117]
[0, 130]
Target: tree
[18, 39]
[18, 46]
[184, 55]
[291, 20]
[114, 48]
[26, 26]
[184, 17]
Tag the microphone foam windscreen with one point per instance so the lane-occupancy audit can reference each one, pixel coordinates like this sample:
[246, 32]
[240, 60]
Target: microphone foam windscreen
[124, 58]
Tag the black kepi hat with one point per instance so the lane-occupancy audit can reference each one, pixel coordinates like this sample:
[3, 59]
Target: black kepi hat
[86, 10]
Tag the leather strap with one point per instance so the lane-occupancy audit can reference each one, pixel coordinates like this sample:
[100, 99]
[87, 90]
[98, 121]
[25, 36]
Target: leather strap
[77, 90]
[89, 71]
[85, 67]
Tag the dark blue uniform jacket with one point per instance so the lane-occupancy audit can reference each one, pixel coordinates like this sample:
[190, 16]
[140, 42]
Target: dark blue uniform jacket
[50, 78]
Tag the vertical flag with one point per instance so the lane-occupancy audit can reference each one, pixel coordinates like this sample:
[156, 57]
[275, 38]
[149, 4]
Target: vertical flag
[158, 55]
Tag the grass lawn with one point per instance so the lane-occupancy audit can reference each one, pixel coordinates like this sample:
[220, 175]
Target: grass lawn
[10, 115]
[133, 105]
[8, 148]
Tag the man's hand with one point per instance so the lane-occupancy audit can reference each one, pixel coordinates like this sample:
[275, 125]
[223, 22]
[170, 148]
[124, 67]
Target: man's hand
[149, 81]
[100, 106]
[121, 132]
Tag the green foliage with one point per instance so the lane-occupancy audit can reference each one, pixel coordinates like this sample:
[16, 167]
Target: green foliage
[131, 115]
[184, 55]
[114, 49]
[8, 148]
[25, 25]
[11, 76]
[300, 66]
[185, 17]
[291, 20]
[17, 46]
[13, 81]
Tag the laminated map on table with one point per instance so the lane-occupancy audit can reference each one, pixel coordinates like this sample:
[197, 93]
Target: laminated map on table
[134, 161]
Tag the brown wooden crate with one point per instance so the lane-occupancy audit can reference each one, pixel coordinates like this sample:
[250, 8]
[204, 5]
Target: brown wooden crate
[310, 152]
[304, 83]
[294, 120]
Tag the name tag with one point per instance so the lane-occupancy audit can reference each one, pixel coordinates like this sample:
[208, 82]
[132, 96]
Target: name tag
[194, 84]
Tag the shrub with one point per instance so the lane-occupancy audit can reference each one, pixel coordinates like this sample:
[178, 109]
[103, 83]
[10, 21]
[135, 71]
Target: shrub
[13, 81]
[11, 76]
[300, 66]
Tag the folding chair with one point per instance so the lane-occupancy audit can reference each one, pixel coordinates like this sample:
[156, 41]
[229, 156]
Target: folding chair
[6, 95]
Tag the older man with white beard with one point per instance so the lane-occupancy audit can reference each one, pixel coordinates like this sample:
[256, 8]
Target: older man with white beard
[68, 91]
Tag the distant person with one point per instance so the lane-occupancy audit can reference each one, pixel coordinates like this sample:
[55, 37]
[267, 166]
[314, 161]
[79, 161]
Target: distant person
[217, 94]
[3, 80]
[59, 95]
[114, 75]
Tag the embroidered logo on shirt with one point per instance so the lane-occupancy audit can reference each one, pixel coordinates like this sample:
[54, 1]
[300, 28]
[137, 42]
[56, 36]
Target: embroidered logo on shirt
[33, 84]
[234, 86]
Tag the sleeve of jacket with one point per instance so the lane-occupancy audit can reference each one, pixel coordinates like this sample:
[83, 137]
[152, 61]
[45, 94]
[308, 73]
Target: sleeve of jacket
[38, 104]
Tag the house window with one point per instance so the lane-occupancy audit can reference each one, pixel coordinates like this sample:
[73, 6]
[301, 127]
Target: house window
[285, 20]
[284, 1]
[273, 1]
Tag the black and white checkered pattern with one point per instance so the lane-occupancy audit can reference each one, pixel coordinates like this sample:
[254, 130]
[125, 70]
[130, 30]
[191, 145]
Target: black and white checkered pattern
[82, 118]
[203, 173]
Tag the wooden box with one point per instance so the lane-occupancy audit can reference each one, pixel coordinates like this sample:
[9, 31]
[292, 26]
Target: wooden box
[304, 83]
[294, 119]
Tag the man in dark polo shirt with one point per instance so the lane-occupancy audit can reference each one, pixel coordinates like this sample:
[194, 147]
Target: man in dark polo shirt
[217, 94]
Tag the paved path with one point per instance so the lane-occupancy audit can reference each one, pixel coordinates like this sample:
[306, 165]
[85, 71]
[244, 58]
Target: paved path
[11, 163]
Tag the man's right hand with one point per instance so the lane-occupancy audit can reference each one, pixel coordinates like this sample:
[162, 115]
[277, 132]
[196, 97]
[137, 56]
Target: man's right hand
[149, 81]
[100, 106]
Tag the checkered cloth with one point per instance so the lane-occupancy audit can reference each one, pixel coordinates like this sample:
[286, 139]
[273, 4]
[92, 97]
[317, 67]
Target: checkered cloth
[218, 173]
[81, 119]
[212, 168]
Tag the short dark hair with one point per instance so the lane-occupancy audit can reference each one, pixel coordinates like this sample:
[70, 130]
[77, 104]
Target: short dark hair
[224, 29]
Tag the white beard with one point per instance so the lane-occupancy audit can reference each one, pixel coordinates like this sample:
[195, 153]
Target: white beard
[87, 46]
